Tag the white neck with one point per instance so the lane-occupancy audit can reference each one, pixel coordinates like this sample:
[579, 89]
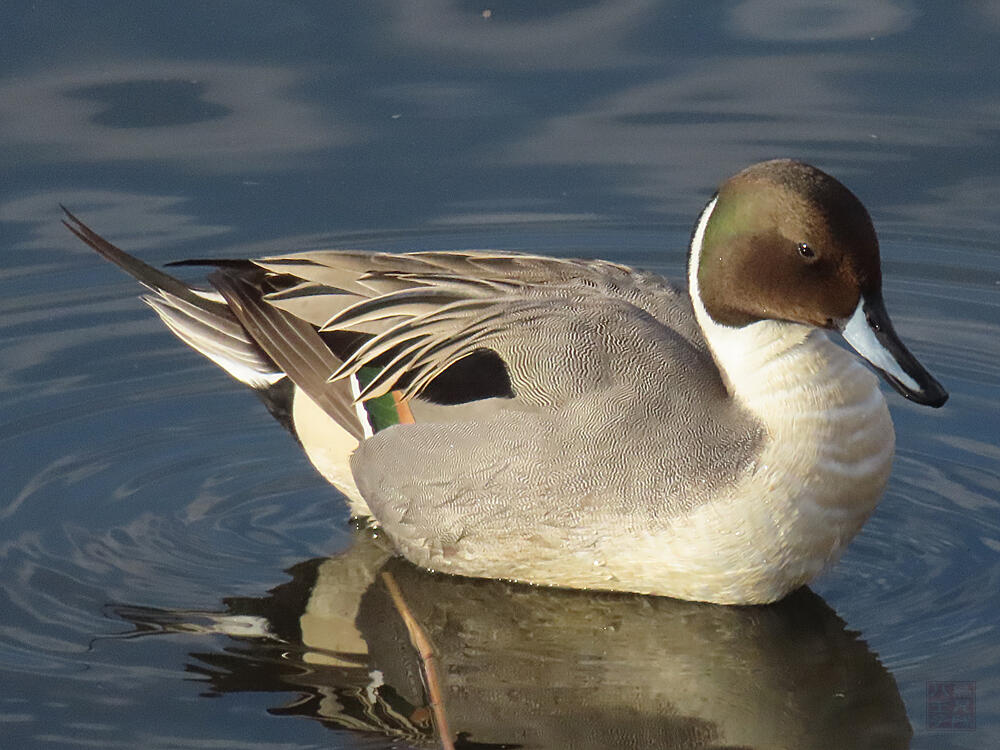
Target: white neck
[807, 392]
[775, 360]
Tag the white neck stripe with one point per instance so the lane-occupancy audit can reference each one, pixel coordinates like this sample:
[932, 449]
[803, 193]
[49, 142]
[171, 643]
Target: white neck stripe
[694, 261]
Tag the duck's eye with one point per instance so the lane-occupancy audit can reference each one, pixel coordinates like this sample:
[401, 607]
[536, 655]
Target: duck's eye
[805, 251]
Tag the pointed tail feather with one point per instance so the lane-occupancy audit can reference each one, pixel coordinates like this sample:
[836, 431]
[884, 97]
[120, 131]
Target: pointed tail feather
[202, 320]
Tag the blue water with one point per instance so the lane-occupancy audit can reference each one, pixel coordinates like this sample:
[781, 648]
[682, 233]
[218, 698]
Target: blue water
[163, 580]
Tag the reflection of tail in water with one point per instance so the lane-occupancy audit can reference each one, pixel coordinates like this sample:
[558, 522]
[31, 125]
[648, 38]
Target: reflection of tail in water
[148, 620]
[302, 640]
[529, 667]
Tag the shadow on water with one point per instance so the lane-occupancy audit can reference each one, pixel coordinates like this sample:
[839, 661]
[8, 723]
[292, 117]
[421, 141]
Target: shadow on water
[531, 667]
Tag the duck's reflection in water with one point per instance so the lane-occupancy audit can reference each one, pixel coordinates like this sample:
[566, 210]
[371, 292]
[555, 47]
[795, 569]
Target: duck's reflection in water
[542, 668]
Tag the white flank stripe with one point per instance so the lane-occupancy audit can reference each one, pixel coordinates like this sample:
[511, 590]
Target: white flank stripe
[366, 425]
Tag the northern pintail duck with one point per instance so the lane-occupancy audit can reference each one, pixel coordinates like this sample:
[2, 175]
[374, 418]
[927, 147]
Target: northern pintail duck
[579, 423]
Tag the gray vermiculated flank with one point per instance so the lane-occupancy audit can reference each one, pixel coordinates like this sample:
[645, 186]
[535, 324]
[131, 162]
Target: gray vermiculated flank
[619, 410]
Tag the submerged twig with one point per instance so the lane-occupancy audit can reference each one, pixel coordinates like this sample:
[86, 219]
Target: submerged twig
[428, 661]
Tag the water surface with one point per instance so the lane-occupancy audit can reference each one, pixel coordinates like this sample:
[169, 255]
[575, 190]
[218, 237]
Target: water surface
[175, 575]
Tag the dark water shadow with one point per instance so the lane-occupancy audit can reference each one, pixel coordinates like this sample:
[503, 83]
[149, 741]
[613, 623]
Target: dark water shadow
[531, 667]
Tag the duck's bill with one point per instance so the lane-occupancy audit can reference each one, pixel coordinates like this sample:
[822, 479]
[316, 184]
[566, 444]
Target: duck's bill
[870, 332]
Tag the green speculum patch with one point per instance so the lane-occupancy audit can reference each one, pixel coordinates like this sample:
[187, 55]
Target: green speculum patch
[382, 411]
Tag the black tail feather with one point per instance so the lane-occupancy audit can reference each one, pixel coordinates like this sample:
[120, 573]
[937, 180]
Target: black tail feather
[153, 278]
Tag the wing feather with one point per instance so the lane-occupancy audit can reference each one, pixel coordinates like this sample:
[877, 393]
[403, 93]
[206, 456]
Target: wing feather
[294, 345]
[425, 311]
